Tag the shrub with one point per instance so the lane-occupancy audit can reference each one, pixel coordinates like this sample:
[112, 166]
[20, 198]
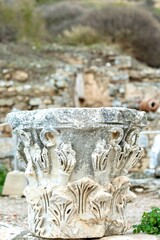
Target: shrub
[3, 173]
[8, 31]
[62, 16]
[150, 3]
[47, 1]
[31, 25]
[150, 222]
[136, 29]
[19, 20]
[80, 35]
[156, 13]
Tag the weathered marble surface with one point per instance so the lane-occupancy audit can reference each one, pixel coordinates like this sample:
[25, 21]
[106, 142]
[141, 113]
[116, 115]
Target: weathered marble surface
[76, 164]
[9, 232]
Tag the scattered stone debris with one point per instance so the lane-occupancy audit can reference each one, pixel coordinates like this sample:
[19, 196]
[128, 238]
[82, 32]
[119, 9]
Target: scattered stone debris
[20, 75]
[145, 185]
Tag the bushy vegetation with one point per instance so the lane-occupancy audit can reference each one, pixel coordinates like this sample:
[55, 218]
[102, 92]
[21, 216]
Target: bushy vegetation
[3, 173]
[137, 30]
[150, 3]
[40, 2]
[62, 16]
[20, 21]
[150, 222]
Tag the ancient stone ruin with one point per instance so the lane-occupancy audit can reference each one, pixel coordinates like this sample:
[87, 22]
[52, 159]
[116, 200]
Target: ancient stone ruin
[72, 80]
[76, 162]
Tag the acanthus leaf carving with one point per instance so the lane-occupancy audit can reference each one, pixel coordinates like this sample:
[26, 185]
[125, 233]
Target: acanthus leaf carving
[81, 190]
[46, 160]
[121, 196]
[130, 156]
[67, 161]
[38, 159]
[61, 209]
[38, 203]
[100, 204]
[99, 156]
[113, 159]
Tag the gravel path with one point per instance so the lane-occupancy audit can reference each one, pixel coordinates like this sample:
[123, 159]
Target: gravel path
[14, 211]
[143, 203]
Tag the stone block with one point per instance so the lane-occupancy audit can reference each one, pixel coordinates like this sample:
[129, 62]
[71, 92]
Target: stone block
[7, 147]
[20, 75]
[14, 184]
[35, 101]
[6, 102]
[123, 61]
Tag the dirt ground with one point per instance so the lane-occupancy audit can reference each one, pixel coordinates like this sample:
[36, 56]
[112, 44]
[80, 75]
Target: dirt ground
[14, 211]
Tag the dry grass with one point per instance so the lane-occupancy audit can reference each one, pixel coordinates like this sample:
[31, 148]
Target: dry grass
[80, 35]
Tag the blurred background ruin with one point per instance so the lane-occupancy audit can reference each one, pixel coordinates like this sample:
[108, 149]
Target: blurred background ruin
[81, 53]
